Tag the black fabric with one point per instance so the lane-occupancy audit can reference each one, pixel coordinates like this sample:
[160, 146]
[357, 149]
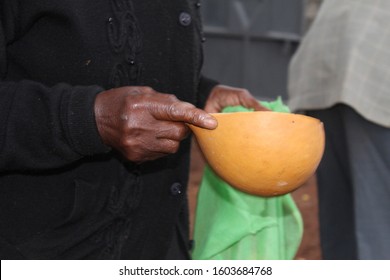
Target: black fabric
[338, 242]
[63, 193]
[205, 85]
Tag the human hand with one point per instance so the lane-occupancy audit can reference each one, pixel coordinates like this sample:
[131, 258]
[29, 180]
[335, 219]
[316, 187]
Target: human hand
[222, 96]
[144, 124]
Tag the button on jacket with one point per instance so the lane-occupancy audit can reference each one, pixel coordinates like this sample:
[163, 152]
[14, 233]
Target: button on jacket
[63, 194]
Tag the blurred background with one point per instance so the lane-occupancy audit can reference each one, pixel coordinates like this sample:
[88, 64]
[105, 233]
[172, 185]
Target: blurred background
[249, 44]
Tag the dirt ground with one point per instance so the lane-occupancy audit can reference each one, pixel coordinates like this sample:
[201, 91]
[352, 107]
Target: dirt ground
[305, 198]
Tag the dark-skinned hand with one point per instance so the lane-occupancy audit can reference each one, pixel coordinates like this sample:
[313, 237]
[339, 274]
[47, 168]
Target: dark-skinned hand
[144, 124]
[222, 96]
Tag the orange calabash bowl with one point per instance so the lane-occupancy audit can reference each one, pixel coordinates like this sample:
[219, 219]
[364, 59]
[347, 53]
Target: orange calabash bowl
[263, 153]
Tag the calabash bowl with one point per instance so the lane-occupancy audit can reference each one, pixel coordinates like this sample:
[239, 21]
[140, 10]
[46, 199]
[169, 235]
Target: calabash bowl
[263, 153]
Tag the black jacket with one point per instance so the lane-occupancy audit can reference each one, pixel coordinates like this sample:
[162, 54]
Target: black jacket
[63, 193]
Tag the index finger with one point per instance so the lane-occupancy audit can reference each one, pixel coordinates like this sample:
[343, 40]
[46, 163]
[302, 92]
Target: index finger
[188, 113]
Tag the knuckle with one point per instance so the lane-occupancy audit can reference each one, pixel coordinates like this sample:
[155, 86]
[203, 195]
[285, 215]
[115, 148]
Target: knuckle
[129, 101]
[133, 90]
[147, 89]
[171, 97]
[196, 118]
[173, 146]
[174, 110]
[125, 143]
[179, 132]
[182, 131]
[244, 92]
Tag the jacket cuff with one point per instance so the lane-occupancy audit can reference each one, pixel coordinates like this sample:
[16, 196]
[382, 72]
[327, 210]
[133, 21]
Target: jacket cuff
[81, 122]
[204, 89]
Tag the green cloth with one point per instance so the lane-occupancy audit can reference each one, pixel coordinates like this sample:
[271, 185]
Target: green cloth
[233, 225]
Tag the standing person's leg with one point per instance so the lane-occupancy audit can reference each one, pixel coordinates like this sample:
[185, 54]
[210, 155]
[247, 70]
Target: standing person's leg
[336, 210]
[369, 146]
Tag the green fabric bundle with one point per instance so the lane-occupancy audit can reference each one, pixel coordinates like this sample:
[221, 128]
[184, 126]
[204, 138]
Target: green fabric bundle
[233, 225]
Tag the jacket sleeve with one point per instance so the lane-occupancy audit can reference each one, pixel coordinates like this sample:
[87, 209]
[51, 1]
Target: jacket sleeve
[204, 89]
[43, 128]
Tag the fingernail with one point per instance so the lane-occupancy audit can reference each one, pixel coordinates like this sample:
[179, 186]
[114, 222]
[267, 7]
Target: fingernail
[211, 122]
